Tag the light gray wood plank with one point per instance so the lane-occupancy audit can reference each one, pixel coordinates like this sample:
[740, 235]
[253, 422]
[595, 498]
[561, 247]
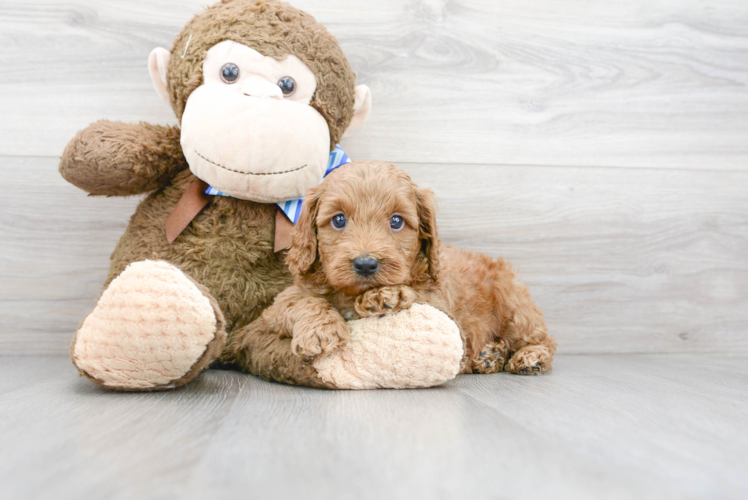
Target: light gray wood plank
[620, 260]
[107, 445]
[622, 427]
[56, 243]
[621, 83]
[618, 409]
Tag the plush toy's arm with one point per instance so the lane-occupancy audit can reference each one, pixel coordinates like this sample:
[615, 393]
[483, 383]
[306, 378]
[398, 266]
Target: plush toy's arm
[120, 159]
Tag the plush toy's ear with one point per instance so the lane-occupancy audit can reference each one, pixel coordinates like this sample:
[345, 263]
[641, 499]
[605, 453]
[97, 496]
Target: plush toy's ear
[361, 109]
[158, 62]
[426, 202]
[303, 253]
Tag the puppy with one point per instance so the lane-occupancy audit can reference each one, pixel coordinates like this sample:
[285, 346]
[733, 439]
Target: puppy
[366, 244]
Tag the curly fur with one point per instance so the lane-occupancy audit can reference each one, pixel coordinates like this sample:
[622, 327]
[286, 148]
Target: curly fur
[501, 326]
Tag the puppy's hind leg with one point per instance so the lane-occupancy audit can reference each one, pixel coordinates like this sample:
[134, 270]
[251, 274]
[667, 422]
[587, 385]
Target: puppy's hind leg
[492, 357]
[533, 359]
[531, 348]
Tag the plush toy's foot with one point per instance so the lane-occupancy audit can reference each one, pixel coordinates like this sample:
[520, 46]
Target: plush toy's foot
[153, 328]
[417, 347]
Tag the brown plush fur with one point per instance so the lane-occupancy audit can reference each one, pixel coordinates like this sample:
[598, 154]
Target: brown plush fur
[274, 29]
[501, 326]
[122, 159]
[228, 247]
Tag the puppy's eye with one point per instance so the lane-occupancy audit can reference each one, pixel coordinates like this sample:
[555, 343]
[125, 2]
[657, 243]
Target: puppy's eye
[339, 222]
[396, 222]
[287, 85]
[229, 73]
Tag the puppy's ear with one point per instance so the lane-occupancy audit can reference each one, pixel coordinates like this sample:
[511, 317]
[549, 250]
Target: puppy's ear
[303, 252]
[428, 233]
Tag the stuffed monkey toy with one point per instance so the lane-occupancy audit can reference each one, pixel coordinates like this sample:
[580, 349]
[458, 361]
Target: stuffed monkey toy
[263, 94]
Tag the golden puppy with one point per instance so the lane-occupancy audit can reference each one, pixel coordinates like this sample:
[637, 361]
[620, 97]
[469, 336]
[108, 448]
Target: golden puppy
[366, 244]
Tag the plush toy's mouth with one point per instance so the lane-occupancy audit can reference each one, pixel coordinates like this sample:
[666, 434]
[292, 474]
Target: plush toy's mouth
[248, 173]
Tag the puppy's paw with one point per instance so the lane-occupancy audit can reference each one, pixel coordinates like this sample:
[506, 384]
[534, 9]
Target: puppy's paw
[530, 360]
[384, 300]
[491, 358]
[321, 336]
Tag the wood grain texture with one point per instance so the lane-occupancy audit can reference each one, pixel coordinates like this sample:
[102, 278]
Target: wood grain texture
[620, 260]
[619, 427]
[517, 113]
[620, 83]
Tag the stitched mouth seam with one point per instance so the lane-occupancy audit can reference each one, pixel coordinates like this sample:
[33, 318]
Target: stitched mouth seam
[248, 173]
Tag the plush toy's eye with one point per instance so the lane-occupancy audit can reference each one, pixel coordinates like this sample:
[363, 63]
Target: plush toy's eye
[229, 73]
[396, 222]
[287, 85]
[339, 222]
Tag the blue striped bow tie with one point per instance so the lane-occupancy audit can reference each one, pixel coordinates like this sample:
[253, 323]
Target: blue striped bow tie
[292, 208]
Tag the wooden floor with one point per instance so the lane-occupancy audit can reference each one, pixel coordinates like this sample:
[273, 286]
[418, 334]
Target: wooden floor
[615, 426]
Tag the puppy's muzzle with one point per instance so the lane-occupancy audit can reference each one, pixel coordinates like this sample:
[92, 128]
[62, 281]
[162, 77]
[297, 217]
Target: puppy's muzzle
[366, 266]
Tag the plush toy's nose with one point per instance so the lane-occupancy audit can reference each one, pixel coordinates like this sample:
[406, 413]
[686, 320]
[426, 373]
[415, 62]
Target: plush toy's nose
[259, 87]
[365, 266]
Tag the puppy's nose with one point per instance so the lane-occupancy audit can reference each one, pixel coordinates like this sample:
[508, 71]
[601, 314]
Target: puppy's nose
[365, 266]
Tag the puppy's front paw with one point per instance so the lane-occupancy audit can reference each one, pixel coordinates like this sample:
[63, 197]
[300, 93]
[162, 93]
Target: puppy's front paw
[315, 337]
[383, 300]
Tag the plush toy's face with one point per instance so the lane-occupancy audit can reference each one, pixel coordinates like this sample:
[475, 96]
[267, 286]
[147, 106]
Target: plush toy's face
[249, 131]
[263, 93]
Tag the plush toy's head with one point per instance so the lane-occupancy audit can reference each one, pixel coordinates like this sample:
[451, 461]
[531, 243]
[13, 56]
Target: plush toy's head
[263, 93]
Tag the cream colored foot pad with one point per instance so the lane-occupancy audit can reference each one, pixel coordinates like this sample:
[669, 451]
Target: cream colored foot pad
[151, 325]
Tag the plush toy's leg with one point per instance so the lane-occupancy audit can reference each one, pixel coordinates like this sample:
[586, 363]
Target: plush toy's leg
[153, 328]
[417, 347]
